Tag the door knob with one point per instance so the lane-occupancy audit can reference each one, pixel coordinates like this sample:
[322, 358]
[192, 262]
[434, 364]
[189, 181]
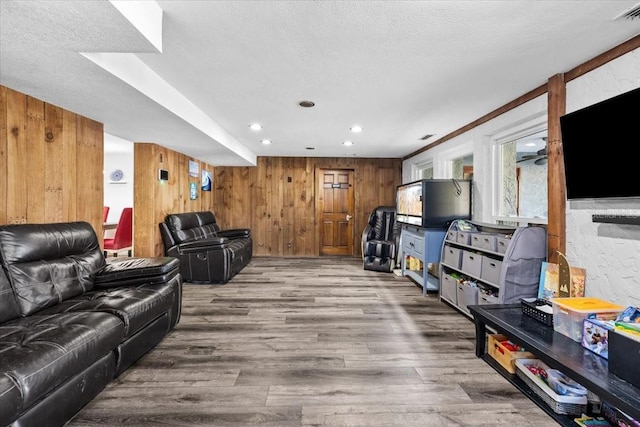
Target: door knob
[348, 217]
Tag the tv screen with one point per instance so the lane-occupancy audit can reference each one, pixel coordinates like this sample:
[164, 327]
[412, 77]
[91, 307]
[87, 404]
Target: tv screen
[409, 203]
[433, 203]
[596, 141]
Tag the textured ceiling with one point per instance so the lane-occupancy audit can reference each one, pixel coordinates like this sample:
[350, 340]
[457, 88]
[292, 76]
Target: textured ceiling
[400, 69]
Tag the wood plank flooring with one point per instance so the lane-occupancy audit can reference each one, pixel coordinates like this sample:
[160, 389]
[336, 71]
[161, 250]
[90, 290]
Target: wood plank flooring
[313, 342]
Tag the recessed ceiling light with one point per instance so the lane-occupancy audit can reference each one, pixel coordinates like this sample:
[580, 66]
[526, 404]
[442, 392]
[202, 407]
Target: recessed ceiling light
[347, 143]
[255, 126]
[266, 141]
[306, 104]
[356, 128]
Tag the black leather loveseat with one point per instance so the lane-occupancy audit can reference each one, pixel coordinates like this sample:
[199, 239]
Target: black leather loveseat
[70, 321]
[207, 254]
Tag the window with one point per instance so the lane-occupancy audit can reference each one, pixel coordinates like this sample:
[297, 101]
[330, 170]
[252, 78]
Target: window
[462, 167]
[522, 182]
[427, 173]
[424, 171]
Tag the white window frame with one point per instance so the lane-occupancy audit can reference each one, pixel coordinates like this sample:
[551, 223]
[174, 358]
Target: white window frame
[419, 167]
[533, 125]
[446, 159]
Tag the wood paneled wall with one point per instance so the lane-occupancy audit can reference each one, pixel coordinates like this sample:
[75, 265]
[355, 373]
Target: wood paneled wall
[276, 199]
[154, 199]
[50, 163]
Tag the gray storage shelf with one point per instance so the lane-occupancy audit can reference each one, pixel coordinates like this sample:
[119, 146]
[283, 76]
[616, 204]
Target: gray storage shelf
[516, 273]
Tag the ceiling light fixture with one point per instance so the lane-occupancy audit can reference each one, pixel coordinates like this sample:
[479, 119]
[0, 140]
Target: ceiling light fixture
[266, 141]
[356, 129]
[255, 126]
[347, 143]
[306, 104]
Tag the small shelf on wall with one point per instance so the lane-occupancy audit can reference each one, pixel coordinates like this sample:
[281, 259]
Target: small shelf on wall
[617, 219]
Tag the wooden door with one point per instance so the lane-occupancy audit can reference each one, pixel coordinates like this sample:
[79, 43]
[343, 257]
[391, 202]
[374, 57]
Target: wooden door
[335, 211]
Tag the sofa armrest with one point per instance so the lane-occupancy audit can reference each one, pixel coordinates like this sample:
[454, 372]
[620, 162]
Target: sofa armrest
[234, 233]
[135, 271]
[202, 245]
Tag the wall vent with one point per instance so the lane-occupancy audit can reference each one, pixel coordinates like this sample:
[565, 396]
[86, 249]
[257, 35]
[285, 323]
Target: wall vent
[630, 14]
[427, 136]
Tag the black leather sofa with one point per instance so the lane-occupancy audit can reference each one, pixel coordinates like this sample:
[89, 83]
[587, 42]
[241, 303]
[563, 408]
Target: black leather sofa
[381, 240]
[70, 321]
[207, 254]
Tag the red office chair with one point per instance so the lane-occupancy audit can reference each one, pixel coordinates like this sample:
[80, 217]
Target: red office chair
[123, 236]
[105, 213]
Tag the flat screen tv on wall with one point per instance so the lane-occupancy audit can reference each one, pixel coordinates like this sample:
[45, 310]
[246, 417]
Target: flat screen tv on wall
[596, 142]
[433, 203]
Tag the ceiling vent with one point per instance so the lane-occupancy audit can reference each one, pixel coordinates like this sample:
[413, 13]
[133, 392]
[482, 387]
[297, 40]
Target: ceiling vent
[427, 136]
[630, 14]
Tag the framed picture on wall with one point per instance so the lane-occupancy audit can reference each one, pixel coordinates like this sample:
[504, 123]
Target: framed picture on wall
[206, 180]
[193, 190]
[193, 168]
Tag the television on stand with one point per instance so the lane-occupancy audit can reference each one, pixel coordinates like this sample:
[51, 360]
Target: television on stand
[433, 203]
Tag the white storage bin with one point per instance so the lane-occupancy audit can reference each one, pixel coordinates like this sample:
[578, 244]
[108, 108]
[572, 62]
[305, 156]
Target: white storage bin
[464, 237]
[502, 243]
[491, 270]
[476, 240]
[448, 288]
[472, 263]
[452, 235]
[452, 256]
[466, 295]
[488, 241]
[484, 299]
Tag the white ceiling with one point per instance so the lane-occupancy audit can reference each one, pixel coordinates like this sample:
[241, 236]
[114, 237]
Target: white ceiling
[400, 69]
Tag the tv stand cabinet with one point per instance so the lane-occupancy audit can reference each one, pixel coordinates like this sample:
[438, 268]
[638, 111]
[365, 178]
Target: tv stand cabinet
[424, 244]
[556, 351]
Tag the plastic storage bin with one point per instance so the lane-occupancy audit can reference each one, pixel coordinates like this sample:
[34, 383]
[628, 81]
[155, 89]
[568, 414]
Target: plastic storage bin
[568, 314]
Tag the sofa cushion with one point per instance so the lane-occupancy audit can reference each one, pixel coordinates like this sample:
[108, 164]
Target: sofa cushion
[39, 353]
[190, 226]
[49, 263]
[8, 305]
[10, 399]
[135, 306]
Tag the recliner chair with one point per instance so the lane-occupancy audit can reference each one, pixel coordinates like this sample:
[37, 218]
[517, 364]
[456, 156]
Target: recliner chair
[381, 240]
[207, 254]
